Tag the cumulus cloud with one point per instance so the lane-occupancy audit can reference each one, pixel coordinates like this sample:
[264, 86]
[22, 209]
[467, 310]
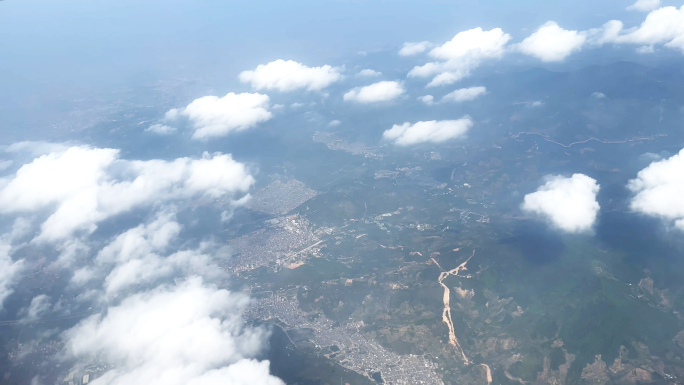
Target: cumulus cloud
[568, 203]
[644, 5]
[192, 333]
[464, 94]
[83, 186]
[410, 49]
[212, 116]
[462, 54]
[658, 190]
[142, 256]
[369, 73]
[551, 43]
[374, 93]
[662, 26]
[486, 44]
[334, 123]
[161, 129]
[598, 95]
[427, 99]
[428, 132]
[290, 75]
[189, 334]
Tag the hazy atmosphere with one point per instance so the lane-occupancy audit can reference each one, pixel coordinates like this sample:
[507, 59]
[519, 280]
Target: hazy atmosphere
[354, 192]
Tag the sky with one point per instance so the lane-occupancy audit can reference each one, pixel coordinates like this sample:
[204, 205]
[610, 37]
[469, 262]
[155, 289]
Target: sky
[82, 41]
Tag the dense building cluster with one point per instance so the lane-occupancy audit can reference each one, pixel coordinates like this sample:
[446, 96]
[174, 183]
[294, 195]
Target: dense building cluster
[356, 352]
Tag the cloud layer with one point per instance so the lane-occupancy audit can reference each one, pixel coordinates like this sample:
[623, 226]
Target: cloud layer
[142, 256]
[290, 75]
[82, 186]
[189, 334]
[568, 203]
[374, 93]
[659, 189]
[431, 131]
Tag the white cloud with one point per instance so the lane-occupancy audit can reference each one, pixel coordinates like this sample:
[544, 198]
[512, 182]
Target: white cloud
[464, 94]
[410, 49]
[334, 123]
[369, 73]
[662, 26]
[446, 78]
[644, 5]
[659, 188]
[428, 69]
[212, 116]
[161, 129]
[40, 305]
[172, 114]
[296, 105]
[142, 256]
[189, 334]
[378, 92]
[598, 95]
[551, 43]
[473, 42]
[462, 54]
[83, 186]
[568, 203]
[431, 131]
[289, 75]
[427, 99]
